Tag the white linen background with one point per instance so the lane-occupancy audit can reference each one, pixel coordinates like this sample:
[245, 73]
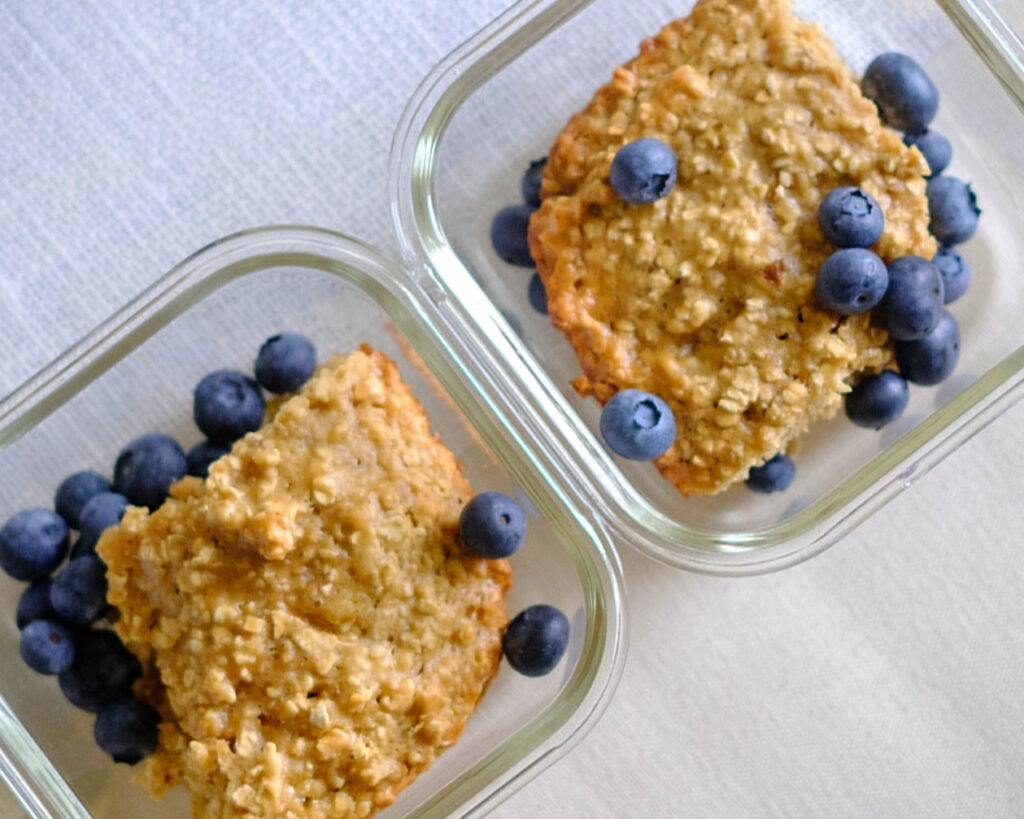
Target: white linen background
[882, 678]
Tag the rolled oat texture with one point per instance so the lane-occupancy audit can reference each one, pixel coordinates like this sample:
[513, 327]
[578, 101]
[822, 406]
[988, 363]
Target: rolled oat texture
[705, 297]
[313, 632]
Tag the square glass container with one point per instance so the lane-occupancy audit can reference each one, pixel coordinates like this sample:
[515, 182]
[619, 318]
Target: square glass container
[496, 104]
[135, 373]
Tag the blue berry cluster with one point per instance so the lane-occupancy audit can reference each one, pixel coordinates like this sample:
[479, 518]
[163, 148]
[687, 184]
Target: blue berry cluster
[61, 613]
[911, 306]
[908, 296]
[227, 404]
[896, 83]
[509, 229]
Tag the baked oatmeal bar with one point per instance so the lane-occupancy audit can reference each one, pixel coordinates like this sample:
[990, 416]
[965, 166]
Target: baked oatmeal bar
[705, 297]
[314, 633]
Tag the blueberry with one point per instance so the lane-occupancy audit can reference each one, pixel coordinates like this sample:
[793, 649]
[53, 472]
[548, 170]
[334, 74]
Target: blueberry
[226, 405]
[100, 513]
[536, 639]
[33, 543]
[285, 362]
[83, 546]
[952, 209]
[537, 295]
[935, 148]
[931, 359]
[850, 217]
[127, 730]
[637, 425]
[643, 171]
[47, 647]
[103, 671]
[774, 475]
[492, 525]
[146, 468]
[34, 603]
[912, 305]
[530, 184]
[79, 591]
[202, 455]
[851, 280]
[75, 492]
[906, 97]
[877, 400]
[508, 235]
[955, 272]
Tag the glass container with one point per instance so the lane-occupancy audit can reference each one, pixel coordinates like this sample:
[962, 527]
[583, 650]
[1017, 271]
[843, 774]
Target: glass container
[135, 374]
[497, 104]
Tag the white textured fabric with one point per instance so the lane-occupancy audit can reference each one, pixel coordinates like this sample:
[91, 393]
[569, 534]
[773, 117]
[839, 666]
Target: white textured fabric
[883, 678]
[133, 133]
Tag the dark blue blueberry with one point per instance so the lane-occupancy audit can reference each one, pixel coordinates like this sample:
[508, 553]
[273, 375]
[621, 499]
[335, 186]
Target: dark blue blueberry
[103, 671]
[226, 405]
[955, 272]
[146, 468]
[877, 400]
[100, 513]
[850, 217]
[79, 591]
[530, 184]
[492, 525]
[637, 425]
[851, 281]
[34, 603]
[931, 359]
[643, 171]
[75, 492]
[952, 210]
[33, 543]
[912, 305]
[285, 362]
[774, 475]
[47, 647]
[906, 97]
[202, 455]
[537, 295]
[935, 148]
[536, 639]
[127, 730]
[508, 235]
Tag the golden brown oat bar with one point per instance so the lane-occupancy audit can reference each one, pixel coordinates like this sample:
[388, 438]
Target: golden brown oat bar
[705, 297]
[314, 632]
